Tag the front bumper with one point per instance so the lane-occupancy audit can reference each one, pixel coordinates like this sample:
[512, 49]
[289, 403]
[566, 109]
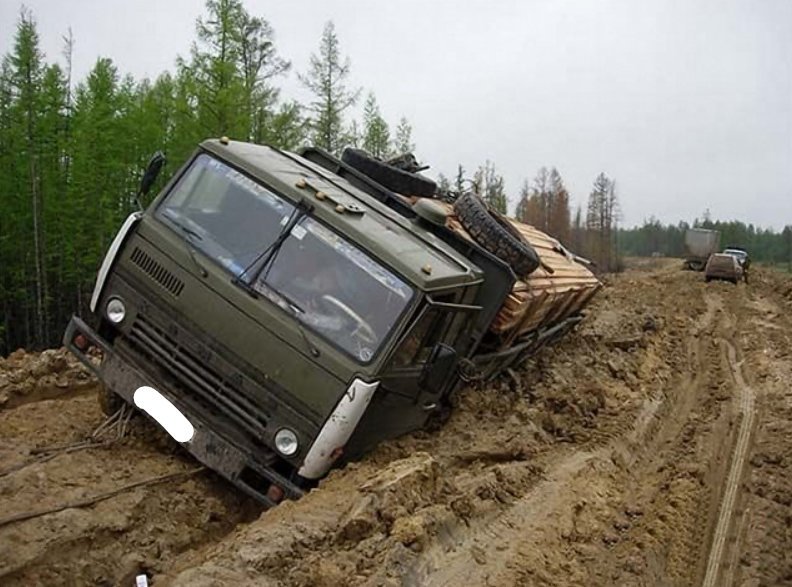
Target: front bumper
[123, 377]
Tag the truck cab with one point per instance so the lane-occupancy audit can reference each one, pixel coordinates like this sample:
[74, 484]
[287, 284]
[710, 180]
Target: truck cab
[288, 319]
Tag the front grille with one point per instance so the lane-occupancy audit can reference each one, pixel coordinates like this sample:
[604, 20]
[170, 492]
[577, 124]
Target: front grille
[172, 284]
[206, 389]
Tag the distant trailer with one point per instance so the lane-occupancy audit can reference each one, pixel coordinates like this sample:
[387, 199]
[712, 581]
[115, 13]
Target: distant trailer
[700, 243]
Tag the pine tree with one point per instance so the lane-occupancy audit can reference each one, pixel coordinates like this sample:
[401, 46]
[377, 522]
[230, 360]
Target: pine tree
[376, 136]
[521, 212]
[215, 83]
[52, 182]
[285, 128]
[8, 211]
[402, 142]
[490, 186]
[326, 79]
[227, 76]
[26, 79]
[260, 63]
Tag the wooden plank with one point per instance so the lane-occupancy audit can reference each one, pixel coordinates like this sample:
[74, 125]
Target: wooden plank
[543, 297]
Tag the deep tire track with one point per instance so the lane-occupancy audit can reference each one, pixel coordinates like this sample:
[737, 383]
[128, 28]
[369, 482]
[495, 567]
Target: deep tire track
[723, 525]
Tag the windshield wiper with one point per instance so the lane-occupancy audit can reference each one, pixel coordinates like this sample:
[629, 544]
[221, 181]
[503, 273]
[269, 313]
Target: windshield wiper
[267, 255]
[265, 258]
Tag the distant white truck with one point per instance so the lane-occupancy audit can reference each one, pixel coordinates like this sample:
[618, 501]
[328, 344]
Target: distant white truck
[700, 243]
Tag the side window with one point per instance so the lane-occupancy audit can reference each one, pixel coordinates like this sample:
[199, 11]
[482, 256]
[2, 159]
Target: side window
[413, 349]
[425, 333]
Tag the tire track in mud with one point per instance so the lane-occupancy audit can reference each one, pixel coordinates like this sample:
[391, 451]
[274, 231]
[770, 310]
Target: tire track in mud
[494, 548]
[758, 548]
[733, 480]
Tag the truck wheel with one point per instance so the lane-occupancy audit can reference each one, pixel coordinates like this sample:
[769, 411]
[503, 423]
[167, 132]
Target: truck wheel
[109, 402]
[495, 234]
[393, 178]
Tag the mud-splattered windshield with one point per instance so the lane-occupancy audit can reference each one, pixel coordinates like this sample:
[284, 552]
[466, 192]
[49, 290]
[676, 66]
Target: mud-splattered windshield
[329, 284]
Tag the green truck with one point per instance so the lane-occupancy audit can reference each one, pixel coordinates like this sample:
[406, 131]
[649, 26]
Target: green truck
[280, 313]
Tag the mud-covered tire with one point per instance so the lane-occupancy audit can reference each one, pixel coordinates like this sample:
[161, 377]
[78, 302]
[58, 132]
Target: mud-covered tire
[393, 178]
[109, 402]
[495, 234]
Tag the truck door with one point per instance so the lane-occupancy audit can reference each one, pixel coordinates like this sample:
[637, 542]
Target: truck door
[402, 403]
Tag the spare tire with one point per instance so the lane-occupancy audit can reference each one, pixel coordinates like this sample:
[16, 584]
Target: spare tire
[494, 233]
[393, 178]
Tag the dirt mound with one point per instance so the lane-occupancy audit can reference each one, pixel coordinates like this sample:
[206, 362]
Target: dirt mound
[606, 460]
[26, 377]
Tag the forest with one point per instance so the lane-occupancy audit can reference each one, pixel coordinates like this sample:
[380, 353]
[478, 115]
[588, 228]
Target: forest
[72, 152]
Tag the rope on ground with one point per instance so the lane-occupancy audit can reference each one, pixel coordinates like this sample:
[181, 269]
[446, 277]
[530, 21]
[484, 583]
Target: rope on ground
[81, 503]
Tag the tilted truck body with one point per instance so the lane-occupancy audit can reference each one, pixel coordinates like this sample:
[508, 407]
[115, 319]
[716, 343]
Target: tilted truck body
[292, 313]
[700, 243]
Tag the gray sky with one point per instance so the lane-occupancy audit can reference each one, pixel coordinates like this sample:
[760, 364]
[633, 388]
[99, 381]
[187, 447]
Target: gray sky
[687, 104]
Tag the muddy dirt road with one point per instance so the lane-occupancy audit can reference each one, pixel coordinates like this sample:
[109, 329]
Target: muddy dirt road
[652, 447]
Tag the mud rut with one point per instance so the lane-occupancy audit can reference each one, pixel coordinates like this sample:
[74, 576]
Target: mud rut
[650, 448]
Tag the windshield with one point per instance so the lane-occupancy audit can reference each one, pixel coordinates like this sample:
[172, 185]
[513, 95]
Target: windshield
[330, 285]
[740, 254]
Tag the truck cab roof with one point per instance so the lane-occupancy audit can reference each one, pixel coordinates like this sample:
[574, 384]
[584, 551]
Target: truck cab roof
[423, 259]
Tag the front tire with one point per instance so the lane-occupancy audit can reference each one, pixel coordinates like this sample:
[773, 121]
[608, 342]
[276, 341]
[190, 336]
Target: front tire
[109, 402]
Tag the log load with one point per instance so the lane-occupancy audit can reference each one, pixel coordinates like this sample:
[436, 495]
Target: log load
[559, 288]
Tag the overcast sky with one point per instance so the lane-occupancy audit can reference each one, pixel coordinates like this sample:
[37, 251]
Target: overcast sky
[687, 104]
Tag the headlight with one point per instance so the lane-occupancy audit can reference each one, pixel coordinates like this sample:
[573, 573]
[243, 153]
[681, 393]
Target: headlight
[286, 442]
[116, 311]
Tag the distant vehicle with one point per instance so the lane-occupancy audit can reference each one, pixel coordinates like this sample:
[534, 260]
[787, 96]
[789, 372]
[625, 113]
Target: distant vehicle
[739, 253]
[700, 244]
[723, 266]
[742, 257]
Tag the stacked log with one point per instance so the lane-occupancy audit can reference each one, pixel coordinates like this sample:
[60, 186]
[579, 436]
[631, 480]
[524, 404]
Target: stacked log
[559, 288]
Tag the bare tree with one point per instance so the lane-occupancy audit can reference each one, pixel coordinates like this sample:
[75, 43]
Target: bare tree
[602, 223]
[545, 204]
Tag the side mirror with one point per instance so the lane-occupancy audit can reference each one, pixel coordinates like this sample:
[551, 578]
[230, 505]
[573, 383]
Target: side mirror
[439, 368]
[152, 171]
